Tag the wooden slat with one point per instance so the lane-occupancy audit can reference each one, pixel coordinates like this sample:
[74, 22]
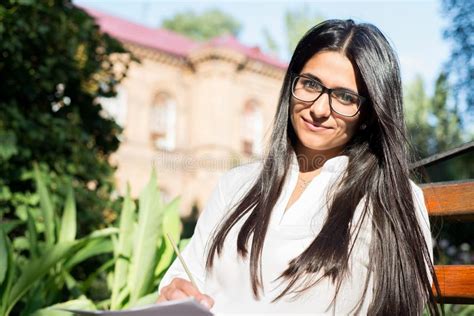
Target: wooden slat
[456, 283]
[452, 200]
[446, 155]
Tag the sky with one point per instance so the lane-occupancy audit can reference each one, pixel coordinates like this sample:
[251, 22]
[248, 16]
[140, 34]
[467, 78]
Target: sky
[414, 28]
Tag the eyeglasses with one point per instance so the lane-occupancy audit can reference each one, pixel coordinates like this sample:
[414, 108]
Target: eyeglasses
[341, 101]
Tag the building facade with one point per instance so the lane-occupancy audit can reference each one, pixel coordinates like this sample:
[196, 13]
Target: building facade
[190, 110]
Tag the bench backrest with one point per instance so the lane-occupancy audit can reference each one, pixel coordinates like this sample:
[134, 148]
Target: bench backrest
[453, 201]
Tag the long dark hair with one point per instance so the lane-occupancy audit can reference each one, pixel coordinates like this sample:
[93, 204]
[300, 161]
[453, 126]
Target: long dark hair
[377, 171]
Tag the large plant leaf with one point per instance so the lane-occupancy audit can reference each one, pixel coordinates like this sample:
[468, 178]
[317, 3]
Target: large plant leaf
[37, 268]
[70, 281]
[3, 256]
[123, 249]
[68, 220]
[53, 255]
[183, 243]
[6, 286]
[102, 233]
[171, 225]
[145, 244]
[32, 235]
[8, 226]
[47, 208]
[81, 303]
[93, 248]
[144, 300]
[93, 276]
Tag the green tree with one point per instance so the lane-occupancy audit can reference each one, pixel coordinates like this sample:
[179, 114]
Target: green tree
[447, 125]
[461, 33]
[270, 41]
[204, 26]
[297, 23]
[417, 112]
[54, 65]
[432, 125]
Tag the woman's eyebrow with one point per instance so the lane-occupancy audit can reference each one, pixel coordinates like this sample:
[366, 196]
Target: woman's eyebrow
[307, 74]
[310, 75]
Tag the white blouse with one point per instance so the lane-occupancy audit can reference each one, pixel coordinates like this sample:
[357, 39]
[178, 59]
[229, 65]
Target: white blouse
[289, 233]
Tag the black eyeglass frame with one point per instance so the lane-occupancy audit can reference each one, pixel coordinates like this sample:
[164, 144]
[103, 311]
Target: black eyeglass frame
[328, 91]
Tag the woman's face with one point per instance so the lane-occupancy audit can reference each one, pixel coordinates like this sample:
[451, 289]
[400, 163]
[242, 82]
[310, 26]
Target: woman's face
[320, 130]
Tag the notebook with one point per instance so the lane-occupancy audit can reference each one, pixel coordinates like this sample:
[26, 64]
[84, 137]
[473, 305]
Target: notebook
[172, 308]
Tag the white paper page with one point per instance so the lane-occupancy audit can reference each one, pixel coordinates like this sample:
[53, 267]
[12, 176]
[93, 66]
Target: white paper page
[172, 308]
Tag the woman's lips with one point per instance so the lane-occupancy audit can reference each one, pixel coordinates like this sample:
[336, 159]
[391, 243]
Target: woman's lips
[315, 128]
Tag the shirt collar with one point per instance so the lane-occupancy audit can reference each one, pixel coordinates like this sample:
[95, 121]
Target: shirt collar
[336, 164]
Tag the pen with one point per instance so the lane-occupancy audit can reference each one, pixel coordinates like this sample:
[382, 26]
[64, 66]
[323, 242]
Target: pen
[178, 253]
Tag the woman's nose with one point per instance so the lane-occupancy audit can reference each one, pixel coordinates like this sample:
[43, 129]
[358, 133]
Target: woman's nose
[321, 106]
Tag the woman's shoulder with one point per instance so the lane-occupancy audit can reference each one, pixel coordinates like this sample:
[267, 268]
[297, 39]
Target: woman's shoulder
[240, 178]
[241, 174]
[415, 187]
[419, 202]
[417, 192]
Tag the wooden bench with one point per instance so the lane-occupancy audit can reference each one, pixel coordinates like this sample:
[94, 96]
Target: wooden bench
[454, 201]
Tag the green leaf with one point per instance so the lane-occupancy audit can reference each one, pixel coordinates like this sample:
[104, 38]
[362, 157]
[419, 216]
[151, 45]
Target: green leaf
[93, 248]
[3, 256]
[32, 235]
[183, 243]
[123, 249]
[26, 2]
[93, 276]
[6, 286]
[144, 300]
[145, 245]
[82, 303]
[8, 145]
[123, 295]
[68, 221]
[69, 279]
[46, 207]
[21, 243]
[37, 268]
[8, 226]
[163, 261]
[171, 225]
[102, 233]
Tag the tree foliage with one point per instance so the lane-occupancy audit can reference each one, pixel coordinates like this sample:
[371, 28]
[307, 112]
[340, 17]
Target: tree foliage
[460, 31]
[417, 111]
[447, 129]
[54, 65]
[297, 23]
[204, 26]
[432, 125]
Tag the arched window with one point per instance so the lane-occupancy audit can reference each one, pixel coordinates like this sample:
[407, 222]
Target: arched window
[252, 128]
[163, 122]
[116, 107]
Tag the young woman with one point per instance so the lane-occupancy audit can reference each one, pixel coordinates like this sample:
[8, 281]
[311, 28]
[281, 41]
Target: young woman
[328, 222]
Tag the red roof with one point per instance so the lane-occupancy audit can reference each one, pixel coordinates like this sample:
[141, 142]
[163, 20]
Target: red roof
[172, 42]
[229, 41]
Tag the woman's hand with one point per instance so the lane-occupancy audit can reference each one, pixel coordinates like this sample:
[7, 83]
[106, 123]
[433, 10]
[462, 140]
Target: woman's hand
[180, 289]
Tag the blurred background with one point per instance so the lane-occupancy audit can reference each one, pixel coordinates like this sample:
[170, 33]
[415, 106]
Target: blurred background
[94, 95]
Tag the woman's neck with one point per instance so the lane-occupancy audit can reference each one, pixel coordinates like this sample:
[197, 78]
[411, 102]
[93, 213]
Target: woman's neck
[310, 160]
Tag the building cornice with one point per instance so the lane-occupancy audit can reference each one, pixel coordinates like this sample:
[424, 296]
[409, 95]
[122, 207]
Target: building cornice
[242, 63]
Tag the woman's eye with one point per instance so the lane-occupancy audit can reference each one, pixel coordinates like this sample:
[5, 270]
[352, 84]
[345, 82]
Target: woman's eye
[346, 98]
[311, 84]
